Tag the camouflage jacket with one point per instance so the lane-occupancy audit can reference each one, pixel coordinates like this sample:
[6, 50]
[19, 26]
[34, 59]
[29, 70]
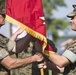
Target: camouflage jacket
[6, 46]
[70, 53]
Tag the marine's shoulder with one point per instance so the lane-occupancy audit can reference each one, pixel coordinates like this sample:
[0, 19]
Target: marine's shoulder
[72, 47]
[3, 39]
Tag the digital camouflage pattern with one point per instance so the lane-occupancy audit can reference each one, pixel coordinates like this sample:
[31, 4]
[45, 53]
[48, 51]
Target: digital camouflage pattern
[71, 69]
[72, 47]
[30, 69]
[3, 43]
[27, 70]
[26, 53]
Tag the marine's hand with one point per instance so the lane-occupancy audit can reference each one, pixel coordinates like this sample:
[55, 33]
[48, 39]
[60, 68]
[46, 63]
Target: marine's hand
[40, 60]
[42, 65]
[39, 57]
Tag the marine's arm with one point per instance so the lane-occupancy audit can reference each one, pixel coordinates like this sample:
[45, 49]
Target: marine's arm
[11, 63]
[69, 56]
[20, 44]
[23, 42]
[58, 60]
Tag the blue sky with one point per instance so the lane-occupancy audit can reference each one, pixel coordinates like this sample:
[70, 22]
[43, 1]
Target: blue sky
[63, 11]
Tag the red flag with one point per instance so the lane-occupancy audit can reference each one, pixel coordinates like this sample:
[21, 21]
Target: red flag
[28, 14]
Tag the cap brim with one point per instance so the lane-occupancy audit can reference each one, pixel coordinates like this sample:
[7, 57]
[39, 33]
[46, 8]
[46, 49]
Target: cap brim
[72, 14]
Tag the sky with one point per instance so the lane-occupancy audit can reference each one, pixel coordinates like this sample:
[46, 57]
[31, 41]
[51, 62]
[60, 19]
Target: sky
[61, 13]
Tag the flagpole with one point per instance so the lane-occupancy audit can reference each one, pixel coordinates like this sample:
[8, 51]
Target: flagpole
[42, 71]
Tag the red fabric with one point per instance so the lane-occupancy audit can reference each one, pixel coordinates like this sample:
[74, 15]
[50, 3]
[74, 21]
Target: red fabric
[49, 48]
[27, 12]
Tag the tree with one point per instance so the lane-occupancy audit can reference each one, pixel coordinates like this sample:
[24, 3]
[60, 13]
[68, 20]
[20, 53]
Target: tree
[53, 23]
[2, 2]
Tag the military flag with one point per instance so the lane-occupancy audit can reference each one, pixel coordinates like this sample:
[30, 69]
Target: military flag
[28, 14]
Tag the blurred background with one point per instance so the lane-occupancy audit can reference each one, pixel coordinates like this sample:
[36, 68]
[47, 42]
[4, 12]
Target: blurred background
[58, 26]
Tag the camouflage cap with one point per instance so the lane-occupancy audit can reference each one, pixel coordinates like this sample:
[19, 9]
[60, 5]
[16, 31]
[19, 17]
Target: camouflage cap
[72, 14]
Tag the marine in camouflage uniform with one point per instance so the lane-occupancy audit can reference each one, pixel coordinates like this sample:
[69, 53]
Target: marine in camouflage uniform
[71, 68]
[5, 44]
[70, 52]
[68, 58]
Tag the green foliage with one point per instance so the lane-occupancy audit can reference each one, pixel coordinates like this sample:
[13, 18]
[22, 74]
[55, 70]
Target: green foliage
[2, 2]
[50, 5]
[53, 23]
[56, 24]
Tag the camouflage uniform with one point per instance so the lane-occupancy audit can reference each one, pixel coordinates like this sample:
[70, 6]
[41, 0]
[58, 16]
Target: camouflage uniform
[27, 70]
[70, 53]
[6, 46]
